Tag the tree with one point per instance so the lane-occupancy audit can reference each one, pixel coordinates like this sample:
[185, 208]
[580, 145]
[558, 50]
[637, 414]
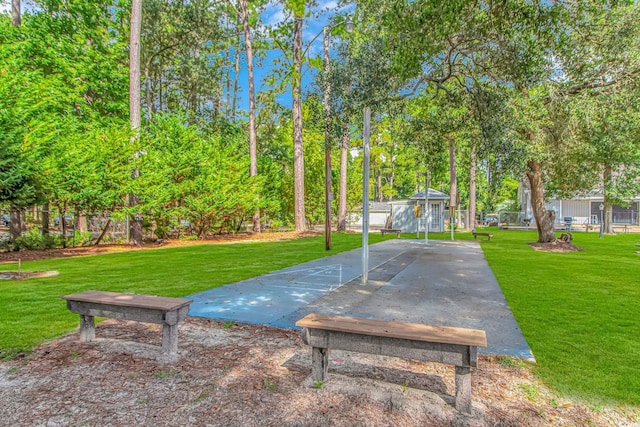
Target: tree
[298, 8]
[193, 179]
[135, 228]
[253, 144]
[15, 228]
[16, 14]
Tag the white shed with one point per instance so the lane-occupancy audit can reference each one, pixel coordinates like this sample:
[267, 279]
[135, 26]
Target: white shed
[410, 215]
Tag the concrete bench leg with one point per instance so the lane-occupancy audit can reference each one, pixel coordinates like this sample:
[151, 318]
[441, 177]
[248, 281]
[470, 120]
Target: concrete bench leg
[87, 328]
[170, 339]
[319, 363]
[463, 389]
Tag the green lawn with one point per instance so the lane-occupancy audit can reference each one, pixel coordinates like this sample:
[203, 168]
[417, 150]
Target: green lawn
[31, 311]
[580, 311]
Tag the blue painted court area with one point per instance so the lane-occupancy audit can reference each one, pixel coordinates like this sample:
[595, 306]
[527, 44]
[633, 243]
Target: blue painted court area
[439, 283]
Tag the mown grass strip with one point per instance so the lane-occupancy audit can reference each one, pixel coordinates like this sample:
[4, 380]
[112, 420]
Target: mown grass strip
[578, 311]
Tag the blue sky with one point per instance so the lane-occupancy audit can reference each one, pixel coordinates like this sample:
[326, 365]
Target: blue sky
[274, 14]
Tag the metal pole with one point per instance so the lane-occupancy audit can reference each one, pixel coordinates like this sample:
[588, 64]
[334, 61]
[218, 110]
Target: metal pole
[327, 146]
[601, 220]
[427, 211]
[365, 196]
[452, 214]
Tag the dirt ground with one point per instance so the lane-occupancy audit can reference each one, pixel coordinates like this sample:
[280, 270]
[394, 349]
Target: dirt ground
[11, 257]
[231, 374]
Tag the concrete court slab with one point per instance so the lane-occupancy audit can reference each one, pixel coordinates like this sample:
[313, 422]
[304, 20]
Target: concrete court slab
[268, 298]
[440, 283]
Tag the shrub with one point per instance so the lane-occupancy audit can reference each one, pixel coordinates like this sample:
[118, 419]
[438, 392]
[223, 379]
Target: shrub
[33, 239]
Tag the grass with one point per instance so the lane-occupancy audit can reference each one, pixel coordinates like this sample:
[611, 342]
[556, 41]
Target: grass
[31, 311]
[578, 311]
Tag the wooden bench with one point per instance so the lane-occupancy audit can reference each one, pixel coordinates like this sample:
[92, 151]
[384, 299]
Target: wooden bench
[454, 346]
[391, 230]
[487, 235]
[142, 308]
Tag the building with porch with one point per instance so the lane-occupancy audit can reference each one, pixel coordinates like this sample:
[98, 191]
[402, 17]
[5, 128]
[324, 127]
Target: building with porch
[410, 215]
[582, 209]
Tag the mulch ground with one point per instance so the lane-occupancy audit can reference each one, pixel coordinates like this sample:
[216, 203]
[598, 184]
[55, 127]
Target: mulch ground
[245, 375]
[34, 255]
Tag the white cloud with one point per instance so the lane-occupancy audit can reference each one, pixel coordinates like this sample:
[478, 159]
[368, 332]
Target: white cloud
[274, 14]
[5, 7]
[330, 5]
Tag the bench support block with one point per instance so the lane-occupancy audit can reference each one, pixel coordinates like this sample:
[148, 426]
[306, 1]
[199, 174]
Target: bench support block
[319, 363]
[170, 339]
[463, 389]
[87, 328]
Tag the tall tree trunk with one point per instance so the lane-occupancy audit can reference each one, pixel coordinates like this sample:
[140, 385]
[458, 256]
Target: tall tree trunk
[298, 152]
[453, 183]
[45, 219]
[15, 222]
[253, 144]
[135, 227]
[344, 158]
[392, 176]
[81, 220]
[148, 94]
[63, 224]
[236, 84]
[472, 186]
[104, 232]
[16, 13]
[134, 64]
[544, 219]
[15, 226]
[607, 178]
[328, 187]
[379, 185]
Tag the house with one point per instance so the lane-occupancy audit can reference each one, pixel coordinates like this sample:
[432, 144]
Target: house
[379, 215]
[582, 209]
[409, 215]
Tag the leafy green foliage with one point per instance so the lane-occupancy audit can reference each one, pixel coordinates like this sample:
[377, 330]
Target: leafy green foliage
[185, 176]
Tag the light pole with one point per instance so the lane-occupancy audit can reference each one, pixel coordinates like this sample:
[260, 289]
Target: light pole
[328, 195]
[427, 210]
[365, 194]
[601, 219]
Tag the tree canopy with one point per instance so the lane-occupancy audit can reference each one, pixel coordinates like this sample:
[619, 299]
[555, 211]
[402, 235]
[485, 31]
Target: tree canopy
[521, 91]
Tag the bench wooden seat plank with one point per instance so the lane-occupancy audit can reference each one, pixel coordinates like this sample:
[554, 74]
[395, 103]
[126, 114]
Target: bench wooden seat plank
[142, 308]
[392, 329]
[455, 346]
[391, 230]
[130, 300]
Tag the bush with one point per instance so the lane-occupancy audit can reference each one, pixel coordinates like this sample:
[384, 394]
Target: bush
[33, 239]
[82, 238]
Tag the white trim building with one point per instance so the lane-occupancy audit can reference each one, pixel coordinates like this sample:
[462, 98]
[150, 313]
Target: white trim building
[409, 215]
[583, 209]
